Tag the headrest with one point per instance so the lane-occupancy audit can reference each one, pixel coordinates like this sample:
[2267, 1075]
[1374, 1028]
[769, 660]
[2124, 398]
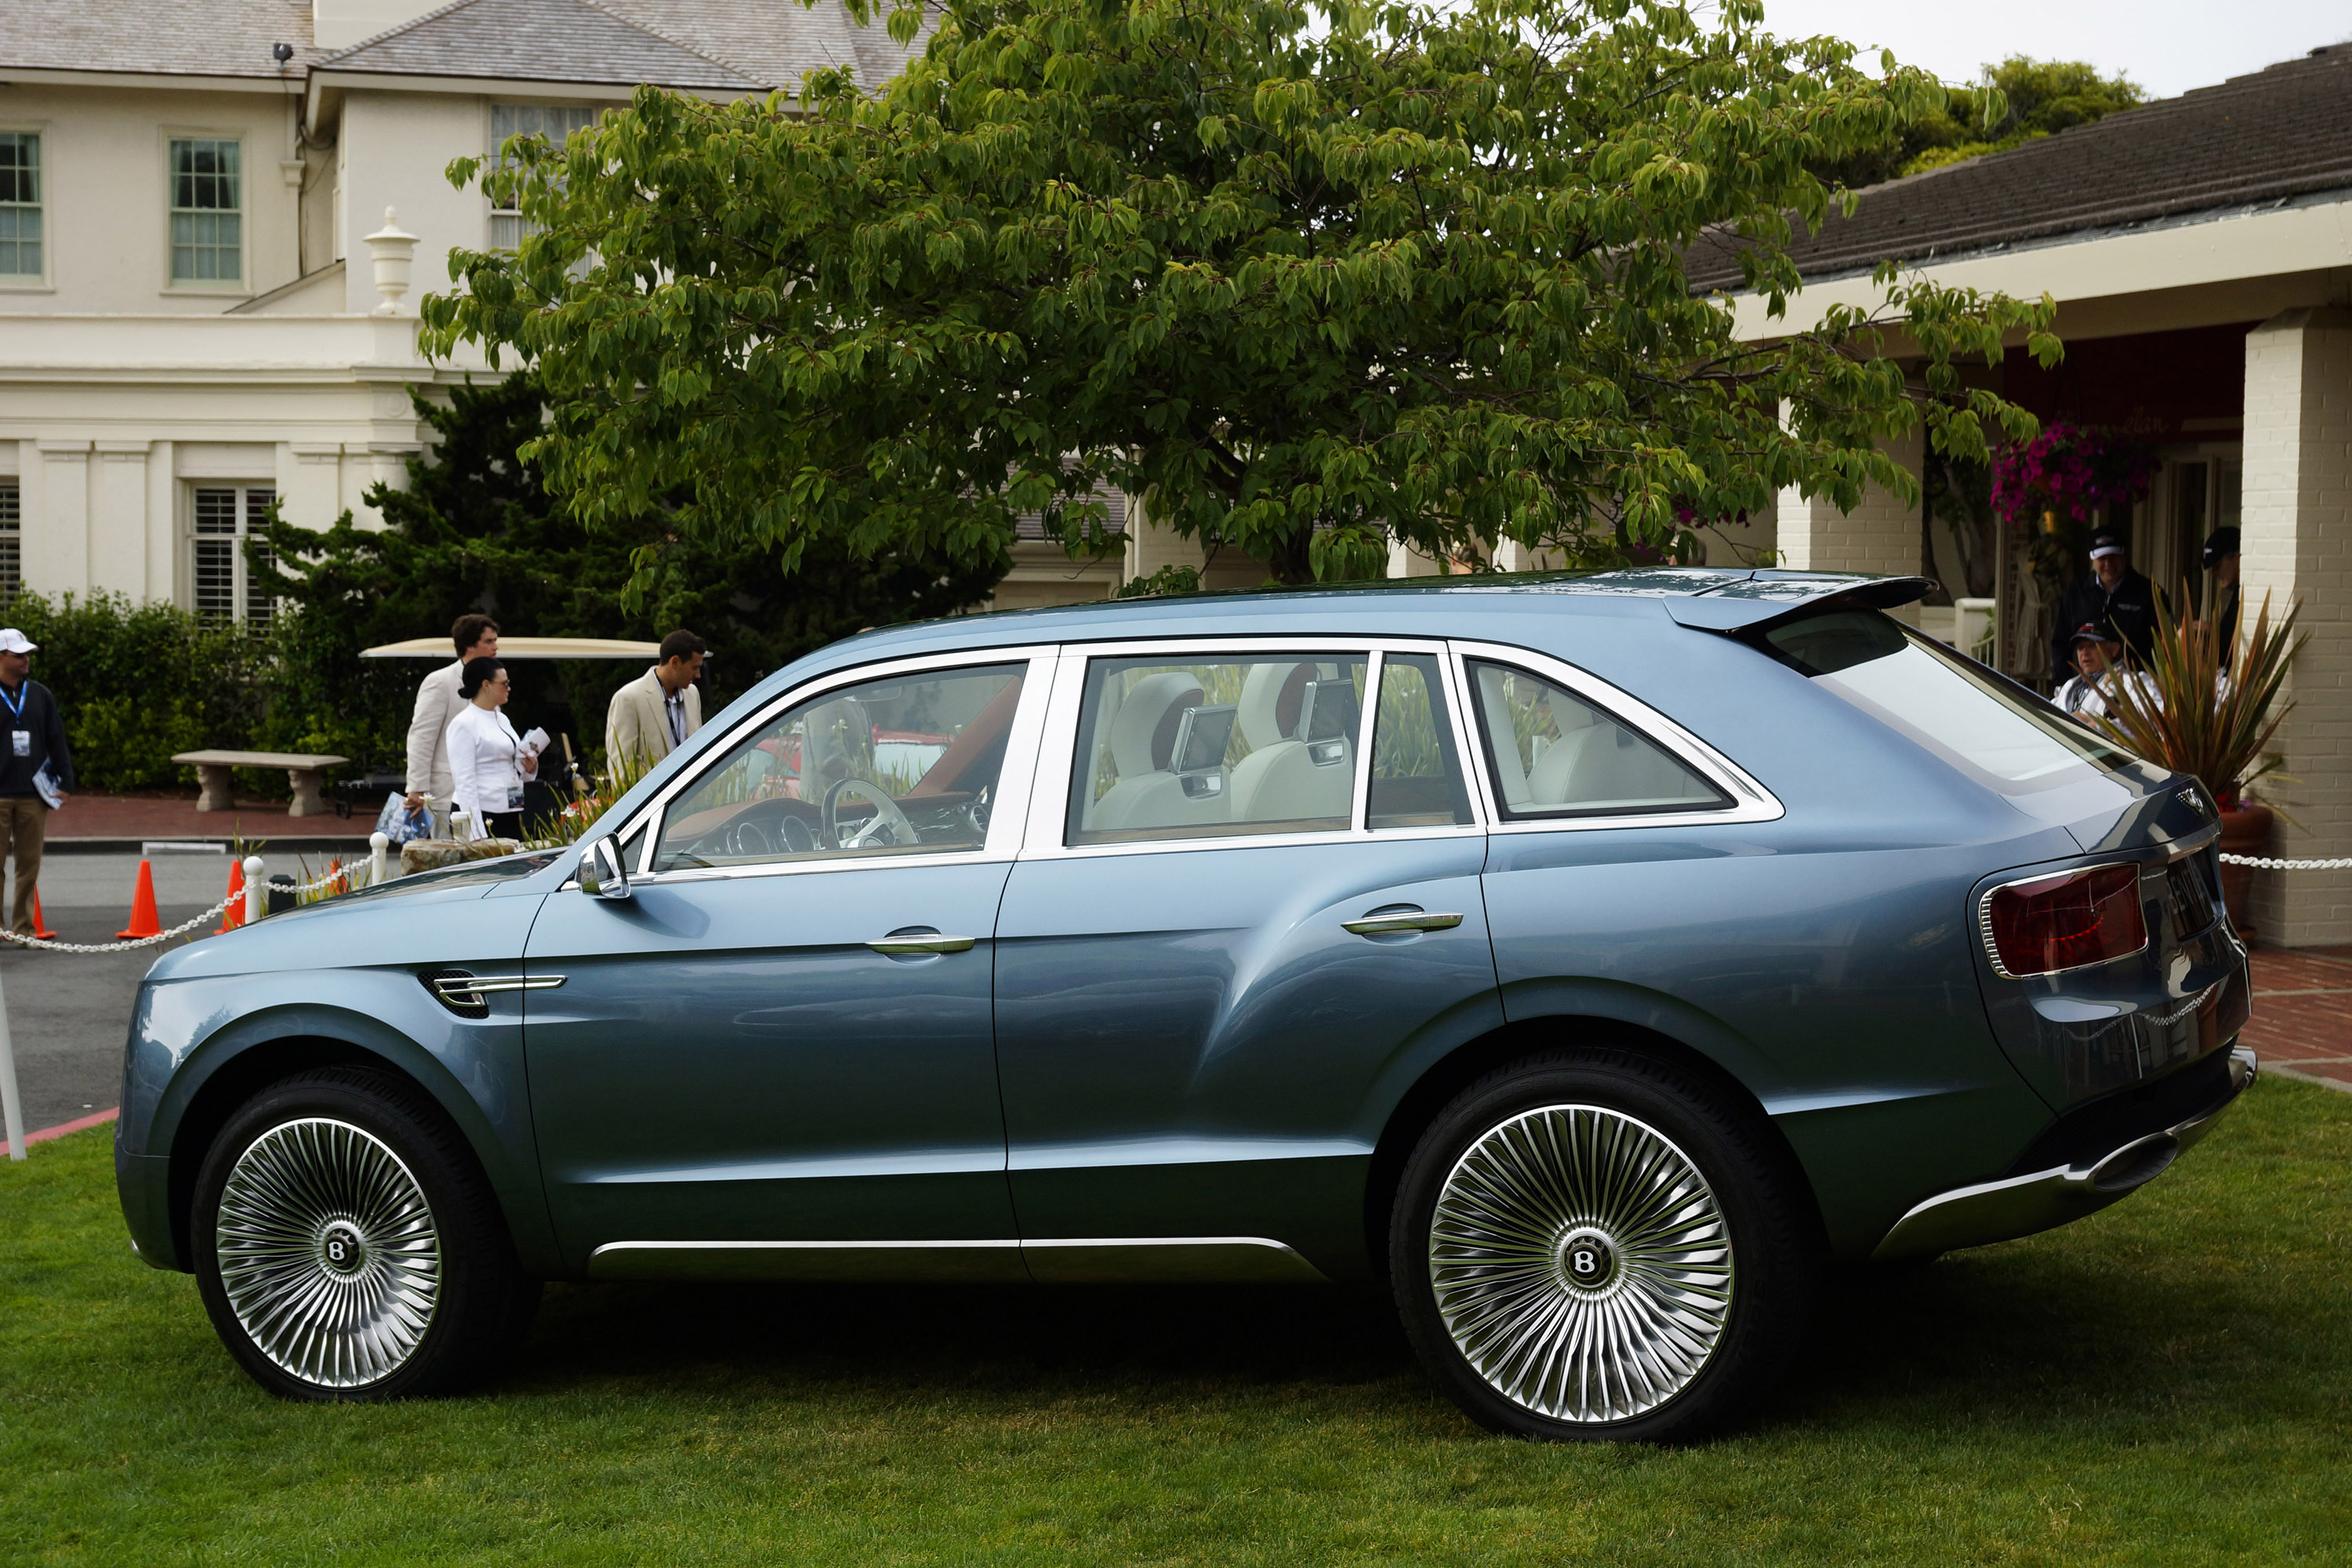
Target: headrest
[1271, 698]
[1143, 735]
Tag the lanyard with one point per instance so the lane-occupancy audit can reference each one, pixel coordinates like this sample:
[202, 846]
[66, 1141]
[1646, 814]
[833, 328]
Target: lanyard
[16, 703]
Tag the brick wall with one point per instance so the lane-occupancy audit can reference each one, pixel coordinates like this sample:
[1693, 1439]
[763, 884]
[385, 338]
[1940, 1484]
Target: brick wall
[1881, 534]
[2297, 544]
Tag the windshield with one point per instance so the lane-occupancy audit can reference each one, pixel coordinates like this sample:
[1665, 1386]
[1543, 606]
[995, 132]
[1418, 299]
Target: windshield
[1998, 732]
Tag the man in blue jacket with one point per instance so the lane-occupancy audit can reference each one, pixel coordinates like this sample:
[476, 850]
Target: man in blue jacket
[35, 769]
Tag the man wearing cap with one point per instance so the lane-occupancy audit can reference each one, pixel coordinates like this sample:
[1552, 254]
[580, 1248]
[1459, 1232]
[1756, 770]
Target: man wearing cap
[2114, 595]
[2088, 692]
[2221, 559]
[35, 769]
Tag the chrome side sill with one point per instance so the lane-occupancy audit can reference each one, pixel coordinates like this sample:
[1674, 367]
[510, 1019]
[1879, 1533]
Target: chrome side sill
[2021, 1205]
[1057, 1260]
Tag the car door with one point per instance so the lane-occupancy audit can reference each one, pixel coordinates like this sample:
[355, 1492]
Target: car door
[1246, 916]
[775, 1055]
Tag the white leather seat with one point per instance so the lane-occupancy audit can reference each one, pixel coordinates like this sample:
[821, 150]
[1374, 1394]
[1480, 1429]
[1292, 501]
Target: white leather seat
[1141, 738]
[1280, 781]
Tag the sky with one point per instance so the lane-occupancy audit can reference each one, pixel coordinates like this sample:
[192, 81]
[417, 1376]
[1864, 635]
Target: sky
[2165, 46]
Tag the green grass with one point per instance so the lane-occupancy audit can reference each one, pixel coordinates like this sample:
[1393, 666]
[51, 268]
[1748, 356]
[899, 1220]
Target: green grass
[2165, 1383]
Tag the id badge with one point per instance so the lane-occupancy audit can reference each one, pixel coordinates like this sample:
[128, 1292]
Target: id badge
[514, 798]
[22, 741]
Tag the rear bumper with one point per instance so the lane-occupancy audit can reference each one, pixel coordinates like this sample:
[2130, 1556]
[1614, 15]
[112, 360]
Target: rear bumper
[2119, 1151]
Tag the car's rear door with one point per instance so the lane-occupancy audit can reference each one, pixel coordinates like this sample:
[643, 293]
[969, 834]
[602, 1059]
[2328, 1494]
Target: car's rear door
[1215, 970]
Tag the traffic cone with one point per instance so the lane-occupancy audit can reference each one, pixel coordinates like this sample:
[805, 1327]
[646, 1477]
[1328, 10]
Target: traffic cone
[143, 921]
[41, 931]
[234, 916]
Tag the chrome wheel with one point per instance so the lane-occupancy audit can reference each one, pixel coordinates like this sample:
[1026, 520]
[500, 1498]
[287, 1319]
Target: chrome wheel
[327, 1252]
[1581, 1263]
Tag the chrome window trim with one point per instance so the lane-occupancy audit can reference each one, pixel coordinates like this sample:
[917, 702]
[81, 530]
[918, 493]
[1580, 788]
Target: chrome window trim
[1005, 826]
[1750, 801]
[1049, 804]
[1984, 916]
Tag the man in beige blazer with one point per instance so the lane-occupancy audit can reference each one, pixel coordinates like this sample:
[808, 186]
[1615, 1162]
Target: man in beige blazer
[437, 702]
[654, 714]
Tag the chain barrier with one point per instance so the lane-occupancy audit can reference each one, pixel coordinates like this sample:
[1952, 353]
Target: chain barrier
[2262, 863]
[347, 876]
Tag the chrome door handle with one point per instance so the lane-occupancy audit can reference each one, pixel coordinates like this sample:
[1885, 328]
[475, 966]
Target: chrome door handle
[1401, 922]
[905, 946]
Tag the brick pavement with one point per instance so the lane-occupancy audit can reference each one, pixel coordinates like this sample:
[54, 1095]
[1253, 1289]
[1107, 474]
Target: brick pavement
[127, 818]
[2302, 1026]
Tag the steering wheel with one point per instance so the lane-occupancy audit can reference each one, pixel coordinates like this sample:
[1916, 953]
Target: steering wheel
[888, 828]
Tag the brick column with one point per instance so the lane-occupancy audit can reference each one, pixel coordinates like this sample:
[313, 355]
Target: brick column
[2296, 543]
[1880, 535]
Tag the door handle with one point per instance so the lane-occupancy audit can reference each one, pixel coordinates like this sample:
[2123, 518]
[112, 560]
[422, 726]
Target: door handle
[912, 944]
[1400, 922]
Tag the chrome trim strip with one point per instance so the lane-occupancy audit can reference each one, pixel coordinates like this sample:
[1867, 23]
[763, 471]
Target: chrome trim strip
[1129, 1259]
[1984, 920]
[473, 987]
[1056, 1259]
[1397, 924]
[1987, 1212]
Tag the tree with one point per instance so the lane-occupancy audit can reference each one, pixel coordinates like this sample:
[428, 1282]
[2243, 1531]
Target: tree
[1419, 277]
[475, 530]
[2014, 102]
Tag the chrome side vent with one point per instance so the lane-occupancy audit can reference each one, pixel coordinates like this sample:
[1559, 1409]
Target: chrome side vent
[453, 988]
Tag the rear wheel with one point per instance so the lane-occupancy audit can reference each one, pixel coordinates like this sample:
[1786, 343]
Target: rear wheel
[1589, 1246]
[348, 1247]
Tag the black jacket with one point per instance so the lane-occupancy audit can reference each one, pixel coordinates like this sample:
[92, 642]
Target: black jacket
[49, 744]
[2129, 612]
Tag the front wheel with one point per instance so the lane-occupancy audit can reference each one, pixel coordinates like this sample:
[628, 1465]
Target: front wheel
[348, 1247]
[1589, 1246]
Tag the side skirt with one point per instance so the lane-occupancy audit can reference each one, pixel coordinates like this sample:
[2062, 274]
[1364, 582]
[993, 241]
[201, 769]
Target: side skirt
[1237, 1259]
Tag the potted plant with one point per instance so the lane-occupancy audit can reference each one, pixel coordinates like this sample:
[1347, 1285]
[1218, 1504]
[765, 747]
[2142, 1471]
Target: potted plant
[2202, 713]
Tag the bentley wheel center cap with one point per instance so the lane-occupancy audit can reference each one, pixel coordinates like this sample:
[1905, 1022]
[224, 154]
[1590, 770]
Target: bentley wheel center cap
[1587, 1259]
[343, 1250]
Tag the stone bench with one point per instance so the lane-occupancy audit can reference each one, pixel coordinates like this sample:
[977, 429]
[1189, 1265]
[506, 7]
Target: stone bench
[303, 771]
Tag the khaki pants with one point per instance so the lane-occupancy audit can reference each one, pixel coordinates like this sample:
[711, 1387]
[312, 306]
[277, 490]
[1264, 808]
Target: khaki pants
[25, 825]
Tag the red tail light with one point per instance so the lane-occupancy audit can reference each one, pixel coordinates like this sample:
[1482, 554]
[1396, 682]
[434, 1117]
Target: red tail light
[2065, 921]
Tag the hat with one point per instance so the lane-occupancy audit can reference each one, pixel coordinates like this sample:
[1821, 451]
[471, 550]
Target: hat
[2092, 631]
[2106, 545]
[13, 641]
[2224, 541]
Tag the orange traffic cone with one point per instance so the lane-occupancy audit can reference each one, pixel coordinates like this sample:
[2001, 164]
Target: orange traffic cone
[41, 931]
[143, 921]
[234, 916]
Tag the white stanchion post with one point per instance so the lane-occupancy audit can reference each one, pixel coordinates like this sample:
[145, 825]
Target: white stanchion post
[257, 891]
[11, 1105]
[379, 855]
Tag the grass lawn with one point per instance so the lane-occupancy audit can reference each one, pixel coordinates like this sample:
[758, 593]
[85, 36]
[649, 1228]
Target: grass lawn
[2168, 1381]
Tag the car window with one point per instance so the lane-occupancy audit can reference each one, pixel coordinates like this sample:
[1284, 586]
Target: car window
[2002, 733]
[1212, 747]
[907, 765]
[1554, 754]
[1417, 772]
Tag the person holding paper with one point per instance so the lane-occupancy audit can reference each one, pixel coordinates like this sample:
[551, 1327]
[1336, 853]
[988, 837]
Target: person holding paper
[35, 769]
[487, 760]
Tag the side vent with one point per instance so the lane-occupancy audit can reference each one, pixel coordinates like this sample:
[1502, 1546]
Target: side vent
[450, 988]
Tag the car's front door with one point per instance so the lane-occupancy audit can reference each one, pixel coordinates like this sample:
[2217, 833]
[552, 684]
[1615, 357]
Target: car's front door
[1215, 957]
[775, 1055]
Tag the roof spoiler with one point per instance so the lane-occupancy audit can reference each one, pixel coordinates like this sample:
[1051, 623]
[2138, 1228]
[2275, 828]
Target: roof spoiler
[1767, 598]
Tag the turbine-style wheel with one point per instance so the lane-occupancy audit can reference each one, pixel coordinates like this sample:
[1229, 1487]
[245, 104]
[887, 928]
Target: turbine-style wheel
[1581, 1263]
[348, 1247]
[1593, 1245]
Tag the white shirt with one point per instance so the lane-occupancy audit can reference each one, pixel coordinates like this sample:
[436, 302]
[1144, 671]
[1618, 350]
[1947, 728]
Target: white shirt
[2092, 698]
[486, 760]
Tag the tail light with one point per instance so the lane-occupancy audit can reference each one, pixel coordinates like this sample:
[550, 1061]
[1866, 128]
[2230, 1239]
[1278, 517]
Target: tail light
[2064, 921]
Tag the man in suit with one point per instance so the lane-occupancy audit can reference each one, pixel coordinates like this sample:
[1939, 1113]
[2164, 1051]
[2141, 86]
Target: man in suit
[476, 636]
[654, 714]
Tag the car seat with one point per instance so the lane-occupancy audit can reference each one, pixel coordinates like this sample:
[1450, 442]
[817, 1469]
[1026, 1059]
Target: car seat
[1282, 780]
[1141, 738]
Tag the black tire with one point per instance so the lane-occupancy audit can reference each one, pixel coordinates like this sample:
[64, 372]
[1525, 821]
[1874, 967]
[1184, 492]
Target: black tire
[367, 1257]
[1710, 1276]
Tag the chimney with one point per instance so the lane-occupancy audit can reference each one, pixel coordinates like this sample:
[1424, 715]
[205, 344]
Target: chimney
[340, 24]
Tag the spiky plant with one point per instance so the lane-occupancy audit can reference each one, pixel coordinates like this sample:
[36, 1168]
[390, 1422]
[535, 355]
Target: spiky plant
[2200, 711]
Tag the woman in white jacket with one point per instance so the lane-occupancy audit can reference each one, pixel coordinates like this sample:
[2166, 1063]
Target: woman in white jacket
[486, 759]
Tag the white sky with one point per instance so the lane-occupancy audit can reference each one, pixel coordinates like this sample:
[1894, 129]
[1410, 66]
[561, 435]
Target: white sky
[2165, 46]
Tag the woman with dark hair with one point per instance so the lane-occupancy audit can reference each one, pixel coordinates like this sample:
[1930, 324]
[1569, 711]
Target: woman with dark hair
[486, 759]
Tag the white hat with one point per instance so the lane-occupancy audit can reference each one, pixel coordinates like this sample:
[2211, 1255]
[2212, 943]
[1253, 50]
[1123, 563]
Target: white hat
[13, 641]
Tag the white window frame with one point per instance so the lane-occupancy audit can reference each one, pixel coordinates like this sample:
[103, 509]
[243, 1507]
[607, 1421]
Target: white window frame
[513, 216]
[39, 207]
[240, 284]
[240, 577]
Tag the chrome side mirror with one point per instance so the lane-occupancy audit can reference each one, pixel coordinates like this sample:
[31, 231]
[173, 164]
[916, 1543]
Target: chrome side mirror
[600, 873]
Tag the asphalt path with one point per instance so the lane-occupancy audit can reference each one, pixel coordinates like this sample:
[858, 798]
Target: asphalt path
[69, 1013]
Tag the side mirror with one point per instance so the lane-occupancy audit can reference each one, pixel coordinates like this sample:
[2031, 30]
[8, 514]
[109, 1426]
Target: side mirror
[600, 874]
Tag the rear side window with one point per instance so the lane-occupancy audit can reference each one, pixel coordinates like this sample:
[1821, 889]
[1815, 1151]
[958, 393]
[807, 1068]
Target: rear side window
[1997, 732]
[1553, 754]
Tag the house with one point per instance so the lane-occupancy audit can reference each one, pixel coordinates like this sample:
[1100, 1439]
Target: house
[2199, 251]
